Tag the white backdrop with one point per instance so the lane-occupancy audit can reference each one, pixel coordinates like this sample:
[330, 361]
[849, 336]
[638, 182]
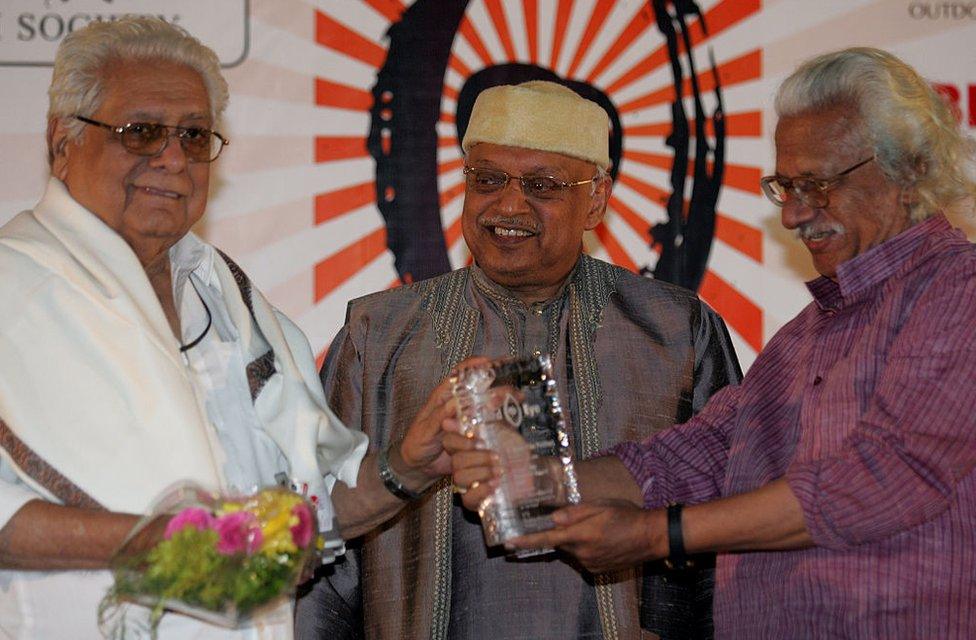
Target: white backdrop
[293, 198]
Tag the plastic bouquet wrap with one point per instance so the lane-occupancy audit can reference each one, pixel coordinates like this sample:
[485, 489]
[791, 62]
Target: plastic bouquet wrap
[215, 558]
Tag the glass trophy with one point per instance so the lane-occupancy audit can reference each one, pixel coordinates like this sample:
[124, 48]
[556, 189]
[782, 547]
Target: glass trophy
[511, 405]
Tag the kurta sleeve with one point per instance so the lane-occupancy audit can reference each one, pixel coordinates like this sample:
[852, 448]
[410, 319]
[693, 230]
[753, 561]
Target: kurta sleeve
[686, 463]
[332, 608]
[716, 364]
[916, 440]
[341, 377]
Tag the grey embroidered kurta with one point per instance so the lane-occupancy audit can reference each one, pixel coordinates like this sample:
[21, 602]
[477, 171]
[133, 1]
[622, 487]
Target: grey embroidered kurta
[632, 356]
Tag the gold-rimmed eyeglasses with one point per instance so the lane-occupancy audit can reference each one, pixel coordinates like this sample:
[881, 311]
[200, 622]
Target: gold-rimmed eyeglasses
[150, 138]
[541, 187]
[811, 191]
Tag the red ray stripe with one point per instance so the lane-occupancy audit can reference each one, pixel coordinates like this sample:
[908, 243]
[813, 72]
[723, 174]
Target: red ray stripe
[640, 226]
[320, 359]
[638, 25]
[329, 148]
[447, 141]
[656, 160]
[335, 203]
[643, 68]
[562, 19]
[742, 177]
[743, 238]
[341, 38]
[447, 117]
[333, 94]
[501, 27]
[450, 92]
[450, 194]
[720, 17]
[597, 18]
[453, 232]
[653, 129]
[738, 125]
[390, 9]
[737, 176]
[742, 69]
[471, 35]
[455, 63]
[614, 250]
[741, 313]
[531, 9]
[652, 193]
[343, 264]
[450, 165]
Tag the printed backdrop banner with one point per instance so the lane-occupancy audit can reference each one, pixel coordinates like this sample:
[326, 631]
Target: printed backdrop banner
[344, 171]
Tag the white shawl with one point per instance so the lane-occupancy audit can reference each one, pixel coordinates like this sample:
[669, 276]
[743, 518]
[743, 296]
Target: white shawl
[92, 382]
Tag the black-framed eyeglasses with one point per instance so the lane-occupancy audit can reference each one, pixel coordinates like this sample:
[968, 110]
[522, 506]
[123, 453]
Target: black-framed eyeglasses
[811, 191]
[150, 138]
[486, 181]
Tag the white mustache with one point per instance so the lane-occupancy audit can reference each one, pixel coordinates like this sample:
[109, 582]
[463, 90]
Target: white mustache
[808, 230]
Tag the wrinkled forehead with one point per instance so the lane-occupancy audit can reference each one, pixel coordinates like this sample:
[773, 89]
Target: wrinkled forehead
[147, 89]
[817, 139]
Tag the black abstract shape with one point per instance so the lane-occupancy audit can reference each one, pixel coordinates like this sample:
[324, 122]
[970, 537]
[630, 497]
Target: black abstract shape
[403, 135]
[685, 240]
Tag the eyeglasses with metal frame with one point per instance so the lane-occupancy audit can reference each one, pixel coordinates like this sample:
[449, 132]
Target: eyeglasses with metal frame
[150, 138]
[540, 187]
[811, 191]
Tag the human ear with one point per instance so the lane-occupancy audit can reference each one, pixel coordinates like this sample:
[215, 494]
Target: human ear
[598, 202]
[58, 147]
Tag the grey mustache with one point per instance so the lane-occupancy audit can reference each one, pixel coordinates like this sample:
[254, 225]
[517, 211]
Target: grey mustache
[514, 223]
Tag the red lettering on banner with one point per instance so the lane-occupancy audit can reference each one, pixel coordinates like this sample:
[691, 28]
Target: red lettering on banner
[953, 96]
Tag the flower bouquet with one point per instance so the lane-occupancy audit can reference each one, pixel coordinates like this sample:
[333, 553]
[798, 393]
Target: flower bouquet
[215, 558]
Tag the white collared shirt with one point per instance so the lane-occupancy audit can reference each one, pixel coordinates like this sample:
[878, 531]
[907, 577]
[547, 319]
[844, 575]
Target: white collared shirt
[217, 363]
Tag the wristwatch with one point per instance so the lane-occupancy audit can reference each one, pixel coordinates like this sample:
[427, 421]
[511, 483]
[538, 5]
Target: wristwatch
[390, 479]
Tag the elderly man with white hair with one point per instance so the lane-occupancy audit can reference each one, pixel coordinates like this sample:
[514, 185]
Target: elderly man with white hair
[838, 481]
[134, 355]
[630, 355]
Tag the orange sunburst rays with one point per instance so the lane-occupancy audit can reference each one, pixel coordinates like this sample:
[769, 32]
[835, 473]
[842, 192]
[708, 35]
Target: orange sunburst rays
[615, 46]
[350, 200]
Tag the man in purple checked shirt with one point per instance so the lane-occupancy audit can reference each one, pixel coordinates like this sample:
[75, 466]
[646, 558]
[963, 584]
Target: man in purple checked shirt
[837, 481]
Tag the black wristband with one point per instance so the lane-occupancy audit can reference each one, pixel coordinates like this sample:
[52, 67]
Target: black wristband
[677, 558]
[390, 479]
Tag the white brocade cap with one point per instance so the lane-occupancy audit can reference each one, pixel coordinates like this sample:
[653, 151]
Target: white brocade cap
[540, 115]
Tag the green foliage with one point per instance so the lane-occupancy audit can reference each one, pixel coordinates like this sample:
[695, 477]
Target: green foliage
[188, 569]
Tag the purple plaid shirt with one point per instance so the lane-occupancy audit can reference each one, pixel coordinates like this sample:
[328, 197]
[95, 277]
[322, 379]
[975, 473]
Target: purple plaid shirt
[866, 403]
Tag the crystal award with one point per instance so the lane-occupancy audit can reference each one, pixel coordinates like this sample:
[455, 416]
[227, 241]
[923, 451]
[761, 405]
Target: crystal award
[511, 406]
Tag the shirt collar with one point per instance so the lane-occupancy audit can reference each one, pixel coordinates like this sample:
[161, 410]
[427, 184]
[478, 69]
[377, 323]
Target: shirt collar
[504, 296]
[190, 255]
[863, 273]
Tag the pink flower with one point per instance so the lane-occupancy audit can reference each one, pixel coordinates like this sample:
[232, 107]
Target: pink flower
[239, 532]
[301, 533]
[199, 519]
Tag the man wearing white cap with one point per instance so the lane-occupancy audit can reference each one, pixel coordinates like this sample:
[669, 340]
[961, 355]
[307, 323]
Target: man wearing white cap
[628, 351]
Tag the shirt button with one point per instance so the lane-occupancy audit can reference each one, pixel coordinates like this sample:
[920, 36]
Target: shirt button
[537, 311]
[537, 353]
[817, 380]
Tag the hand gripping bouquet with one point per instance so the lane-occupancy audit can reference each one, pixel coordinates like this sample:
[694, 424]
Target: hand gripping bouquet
[217, 558]
[511, 405]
